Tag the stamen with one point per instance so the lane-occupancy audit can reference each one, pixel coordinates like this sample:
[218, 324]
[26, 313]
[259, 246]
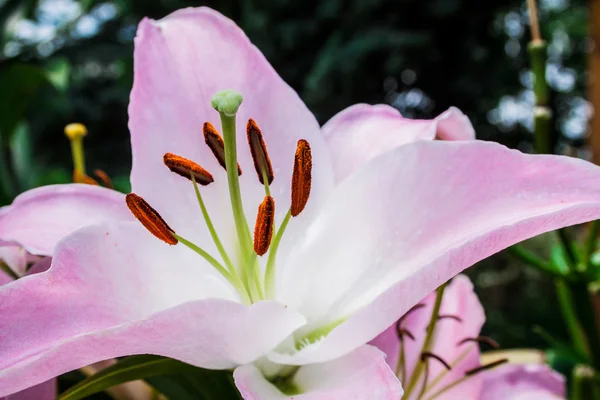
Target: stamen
[78, 177]
[427, 354]
[215, 142]
[468, 375]
[481, 339]
[301, 177]
[260, 156]
[413, 309]
[401, 332]
[263, 230]
[485, 367]
[150, 218]
[104, 178]
[446, 316]
[184, 167]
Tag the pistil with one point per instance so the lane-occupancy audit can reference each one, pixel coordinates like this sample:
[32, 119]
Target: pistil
[76, 132]
[227, 103]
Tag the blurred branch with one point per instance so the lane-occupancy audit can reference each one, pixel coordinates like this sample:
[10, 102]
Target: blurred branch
[567, 307]
[594, 79]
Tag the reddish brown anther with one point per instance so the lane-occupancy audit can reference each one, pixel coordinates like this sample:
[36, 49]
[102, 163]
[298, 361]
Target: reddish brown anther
[485, 367]
[301, 177]
[104, 178]
[258, 148]
[426, 355]
[215, 143]
[448, 316]
[150, 218]
[263, 230]
[184, 167]
[481, 339]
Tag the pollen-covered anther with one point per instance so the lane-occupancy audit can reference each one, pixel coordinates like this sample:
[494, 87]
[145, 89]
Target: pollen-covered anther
[485, 367]
[263, 230]
[260, 156]
[215, 143]
[150, 218]
[480, 339]
[448, 316]
[104, 178]
[184, 167]
[401, 332]
[427, 354]
[301, 177]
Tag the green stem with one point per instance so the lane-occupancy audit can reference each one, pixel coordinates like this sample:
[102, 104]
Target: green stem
[590, 244]
[212, 230]
[270, 269]
[569, 313]
[568, 247]
[585, 312]
[212, 261]
[401, 363]
[530, 258]
[585, 385]
[428, 341]
[537, 58]
[229, 138]
[78, 155]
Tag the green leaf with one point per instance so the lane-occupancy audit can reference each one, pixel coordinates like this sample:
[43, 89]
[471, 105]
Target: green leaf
[175, 379]
[126, 370]
[58, 72]
[22, 157]
[558, 257]
[566, 351]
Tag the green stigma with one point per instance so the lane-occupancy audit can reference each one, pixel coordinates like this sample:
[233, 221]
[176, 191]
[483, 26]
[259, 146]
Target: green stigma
[227, 102]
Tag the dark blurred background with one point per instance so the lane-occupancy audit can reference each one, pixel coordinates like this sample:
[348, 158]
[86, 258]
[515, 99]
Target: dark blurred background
[66, 60]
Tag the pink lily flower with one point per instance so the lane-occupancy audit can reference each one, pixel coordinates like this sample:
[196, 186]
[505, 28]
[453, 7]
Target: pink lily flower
[380, 220]
[456, 344]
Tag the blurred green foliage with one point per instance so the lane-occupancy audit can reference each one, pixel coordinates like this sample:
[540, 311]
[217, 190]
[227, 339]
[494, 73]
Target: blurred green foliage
[65, 60]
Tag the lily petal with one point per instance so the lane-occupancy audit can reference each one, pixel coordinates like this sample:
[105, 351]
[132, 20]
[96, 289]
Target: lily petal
[113, 291]
[39, 218]
[44, 391]
[5, 278]
[181, 61]
[15, 257]
[418, 216]
[452, 124]
[362, 374]
[523, 382]
[362, 132]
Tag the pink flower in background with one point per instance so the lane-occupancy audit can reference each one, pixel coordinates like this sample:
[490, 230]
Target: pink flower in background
[390, 215]
[15, 260]
[456, 343]
[37, 220]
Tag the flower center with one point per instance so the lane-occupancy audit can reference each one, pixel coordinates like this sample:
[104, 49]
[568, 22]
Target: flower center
[246, 276]
[420, 384]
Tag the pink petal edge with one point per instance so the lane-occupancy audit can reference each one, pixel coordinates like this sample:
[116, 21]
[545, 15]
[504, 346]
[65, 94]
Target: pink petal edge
[362, 374]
